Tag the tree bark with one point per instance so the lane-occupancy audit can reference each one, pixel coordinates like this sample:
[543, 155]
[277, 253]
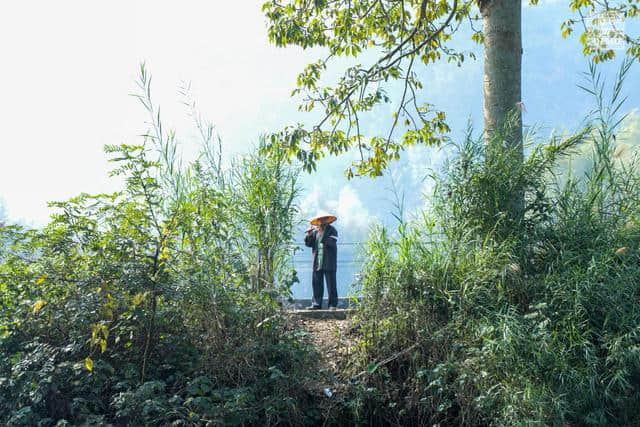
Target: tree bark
[502, 25]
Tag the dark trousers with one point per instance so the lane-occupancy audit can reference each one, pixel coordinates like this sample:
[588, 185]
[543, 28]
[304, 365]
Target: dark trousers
[318, 287]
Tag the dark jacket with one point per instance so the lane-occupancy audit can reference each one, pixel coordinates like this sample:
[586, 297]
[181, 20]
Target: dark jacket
[329, 240]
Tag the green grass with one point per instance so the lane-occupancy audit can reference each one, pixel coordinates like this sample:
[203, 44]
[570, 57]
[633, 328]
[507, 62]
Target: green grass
[517, 319]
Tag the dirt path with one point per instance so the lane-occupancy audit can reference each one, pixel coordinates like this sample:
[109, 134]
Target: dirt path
[334, 341]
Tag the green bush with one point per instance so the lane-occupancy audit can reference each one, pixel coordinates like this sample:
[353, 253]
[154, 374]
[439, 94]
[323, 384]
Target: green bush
[137, 308]
[473, 316]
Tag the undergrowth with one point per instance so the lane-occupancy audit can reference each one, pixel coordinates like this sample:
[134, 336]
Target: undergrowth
[158, 304]
[471, 316]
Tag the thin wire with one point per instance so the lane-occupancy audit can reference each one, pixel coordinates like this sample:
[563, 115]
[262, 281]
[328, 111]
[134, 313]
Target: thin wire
[339, 243]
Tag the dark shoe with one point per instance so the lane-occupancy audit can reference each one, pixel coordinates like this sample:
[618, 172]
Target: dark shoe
[314, 307]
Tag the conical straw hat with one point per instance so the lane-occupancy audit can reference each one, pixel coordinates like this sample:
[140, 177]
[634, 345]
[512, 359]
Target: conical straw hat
[323, 218]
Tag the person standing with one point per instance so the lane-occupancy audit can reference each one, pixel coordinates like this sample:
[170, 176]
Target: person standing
[322, 238]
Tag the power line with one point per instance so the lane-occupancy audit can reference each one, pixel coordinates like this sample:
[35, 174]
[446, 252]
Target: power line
[339, 262]
[338, 243]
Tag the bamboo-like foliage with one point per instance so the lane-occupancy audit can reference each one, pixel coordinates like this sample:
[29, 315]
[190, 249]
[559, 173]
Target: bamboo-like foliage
[263, 193]
[135, 308]
[511, 323]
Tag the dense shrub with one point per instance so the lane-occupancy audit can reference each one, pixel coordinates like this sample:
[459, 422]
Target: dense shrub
[138, 308]
[471, 316]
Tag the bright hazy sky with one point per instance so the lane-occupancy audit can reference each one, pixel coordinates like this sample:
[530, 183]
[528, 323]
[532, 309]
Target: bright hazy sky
[69, 65]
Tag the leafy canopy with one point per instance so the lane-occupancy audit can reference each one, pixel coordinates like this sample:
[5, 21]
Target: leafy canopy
[401, 34]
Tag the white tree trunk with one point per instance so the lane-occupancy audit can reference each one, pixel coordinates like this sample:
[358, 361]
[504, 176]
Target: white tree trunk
[502, 25]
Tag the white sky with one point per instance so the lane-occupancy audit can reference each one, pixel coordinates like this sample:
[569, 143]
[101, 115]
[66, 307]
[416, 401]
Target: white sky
[68, 67]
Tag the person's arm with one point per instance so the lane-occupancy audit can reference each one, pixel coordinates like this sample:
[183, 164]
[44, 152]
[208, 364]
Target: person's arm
[309, 239]
[331, 238]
